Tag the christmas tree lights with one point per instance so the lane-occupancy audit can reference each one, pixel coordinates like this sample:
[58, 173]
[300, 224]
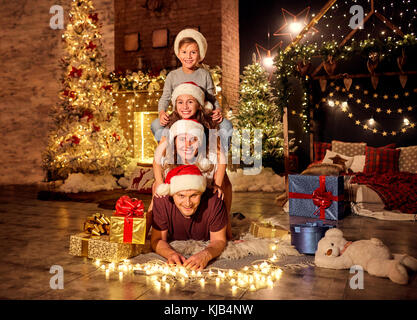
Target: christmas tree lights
[257, 110]
[87, 136]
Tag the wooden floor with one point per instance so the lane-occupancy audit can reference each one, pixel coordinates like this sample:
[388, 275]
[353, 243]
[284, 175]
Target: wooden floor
[35, 236]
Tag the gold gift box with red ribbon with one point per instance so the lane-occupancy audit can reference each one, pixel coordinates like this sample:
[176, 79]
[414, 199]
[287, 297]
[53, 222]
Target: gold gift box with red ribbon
[128, 224]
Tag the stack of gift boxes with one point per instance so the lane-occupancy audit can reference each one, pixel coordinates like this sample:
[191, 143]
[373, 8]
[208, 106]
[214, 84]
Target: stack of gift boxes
[319, 201]
[315, 205]
[113, 239]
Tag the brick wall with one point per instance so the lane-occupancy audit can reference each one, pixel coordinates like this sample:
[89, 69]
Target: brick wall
[30, 52]
[217, 21]
[230, 50]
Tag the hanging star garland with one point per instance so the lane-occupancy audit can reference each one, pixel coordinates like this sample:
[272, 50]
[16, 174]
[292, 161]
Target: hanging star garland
[268, 52]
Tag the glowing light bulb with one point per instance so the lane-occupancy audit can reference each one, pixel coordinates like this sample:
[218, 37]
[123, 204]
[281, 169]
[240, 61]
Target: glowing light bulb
[331, 103]
[217, 282]
[268, 62]
[406, 121]
[295, 27]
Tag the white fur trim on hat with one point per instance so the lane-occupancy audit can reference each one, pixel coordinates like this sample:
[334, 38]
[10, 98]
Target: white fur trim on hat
[187, 126]
[190, 89]
[204, 164]
[208, 106]
[187, 182]
[197, 36]
[163, 189]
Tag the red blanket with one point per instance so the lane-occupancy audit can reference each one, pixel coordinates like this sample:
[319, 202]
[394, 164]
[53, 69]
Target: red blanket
[397, 190]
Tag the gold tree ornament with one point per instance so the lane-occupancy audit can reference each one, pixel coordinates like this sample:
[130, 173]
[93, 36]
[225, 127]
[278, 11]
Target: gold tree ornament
[303, 67]
[330, 65]
[323, 85]
[348, 83]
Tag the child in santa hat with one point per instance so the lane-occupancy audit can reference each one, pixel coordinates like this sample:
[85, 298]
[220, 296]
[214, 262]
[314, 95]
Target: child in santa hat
[190, 47]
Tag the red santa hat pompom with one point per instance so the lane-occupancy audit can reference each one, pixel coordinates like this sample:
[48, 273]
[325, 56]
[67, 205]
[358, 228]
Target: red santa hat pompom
[181, 178]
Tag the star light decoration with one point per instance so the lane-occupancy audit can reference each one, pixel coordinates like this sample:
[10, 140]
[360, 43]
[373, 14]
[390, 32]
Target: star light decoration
[294, 24]
[370, 123]
[268, 60]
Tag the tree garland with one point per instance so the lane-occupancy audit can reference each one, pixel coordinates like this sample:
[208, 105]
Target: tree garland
[147, 81]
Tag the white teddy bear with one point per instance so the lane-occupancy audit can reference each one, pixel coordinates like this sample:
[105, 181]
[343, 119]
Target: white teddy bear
[335, 252]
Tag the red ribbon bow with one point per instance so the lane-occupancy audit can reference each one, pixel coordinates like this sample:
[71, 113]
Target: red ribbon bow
[321, 198]
[129, 208]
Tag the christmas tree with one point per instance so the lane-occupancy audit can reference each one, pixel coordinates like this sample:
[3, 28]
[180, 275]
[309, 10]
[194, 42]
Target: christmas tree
[257, 110]
[87, 137]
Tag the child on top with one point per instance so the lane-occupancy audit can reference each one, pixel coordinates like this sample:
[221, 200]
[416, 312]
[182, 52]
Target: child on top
[190, 47]
[188, 134]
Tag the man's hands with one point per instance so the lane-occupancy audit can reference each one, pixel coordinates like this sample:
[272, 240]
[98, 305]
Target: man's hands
[217, 116]
[163, 118]
[176, 258]
[197, 261]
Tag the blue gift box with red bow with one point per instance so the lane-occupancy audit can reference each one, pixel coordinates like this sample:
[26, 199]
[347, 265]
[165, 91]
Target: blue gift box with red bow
[320, 197]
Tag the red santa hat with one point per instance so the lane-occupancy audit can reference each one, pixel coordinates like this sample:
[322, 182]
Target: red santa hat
[192, 89]
[193, 34]
[181, 178]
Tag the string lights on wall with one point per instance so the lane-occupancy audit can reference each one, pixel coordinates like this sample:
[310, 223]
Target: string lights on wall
[137, 111]
[343, 100]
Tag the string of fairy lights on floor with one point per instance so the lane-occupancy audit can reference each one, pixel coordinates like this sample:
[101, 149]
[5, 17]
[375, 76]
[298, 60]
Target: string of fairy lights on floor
[162, 276]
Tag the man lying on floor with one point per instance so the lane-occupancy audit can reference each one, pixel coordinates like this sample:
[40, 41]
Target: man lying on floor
[189, 212]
